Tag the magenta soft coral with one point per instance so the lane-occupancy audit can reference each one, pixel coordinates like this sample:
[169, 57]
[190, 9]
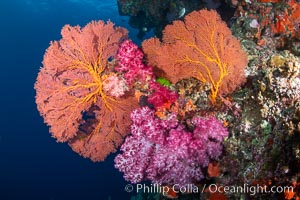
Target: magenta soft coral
[161, 95]
[130, 62]
[164, 152]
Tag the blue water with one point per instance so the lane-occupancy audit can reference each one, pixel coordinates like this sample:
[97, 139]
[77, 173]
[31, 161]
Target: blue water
[32, 165]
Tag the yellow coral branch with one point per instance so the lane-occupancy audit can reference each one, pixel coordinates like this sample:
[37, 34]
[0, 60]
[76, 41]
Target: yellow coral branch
[95, 70]
[214, 58]
[96, 130]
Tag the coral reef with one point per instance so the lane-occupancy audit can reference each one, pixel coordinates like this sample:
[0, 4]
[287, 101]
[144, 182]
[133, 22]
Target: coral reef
[279, 20]
[262, 117]
[213, 108]
[263, 122]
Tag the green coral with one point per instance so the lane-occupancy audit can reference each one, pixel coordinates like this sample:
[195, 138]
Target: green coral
[266, 127]
[163, 81]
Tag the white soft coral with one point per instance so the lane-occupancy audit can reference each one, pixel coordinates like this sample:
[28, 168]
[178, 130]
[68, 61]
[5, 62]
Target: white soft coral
[115, 86]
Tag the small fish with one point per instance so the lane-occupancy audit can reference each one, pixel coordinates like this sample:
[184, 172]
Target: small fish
[175, 12]
[181, 12]
[285, 169]
[144, 29]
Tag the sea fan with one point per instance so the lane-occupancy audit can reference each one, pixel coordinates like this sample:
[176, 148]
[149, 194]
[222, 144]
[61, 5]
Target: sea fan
[202, 47]
[70, 85]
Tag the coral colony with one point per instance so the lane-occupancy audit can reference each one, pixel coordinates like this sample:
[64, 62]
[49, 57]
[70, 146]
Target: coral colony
[191, 109]
[164, 152]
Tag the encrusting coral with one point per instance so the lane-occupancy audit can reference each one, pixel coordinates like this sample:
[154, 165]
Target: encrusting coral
[260, 20]
[263, 146]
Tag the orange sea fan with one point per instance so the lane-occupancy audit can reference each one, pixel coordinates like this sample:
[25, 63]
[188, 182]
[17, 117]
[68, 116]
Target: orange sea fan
[203, 47]
[70, 83]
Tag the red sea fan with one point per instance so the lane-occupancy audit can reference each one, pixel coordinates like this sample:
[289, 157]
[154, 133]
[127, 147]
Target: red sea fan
[107, 131]
[70, 83]
[201, 46]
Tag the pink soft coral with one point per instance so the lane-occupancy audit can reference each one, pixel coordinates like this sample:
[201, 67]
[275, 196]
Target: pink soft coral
[130, 62]
[163, 152]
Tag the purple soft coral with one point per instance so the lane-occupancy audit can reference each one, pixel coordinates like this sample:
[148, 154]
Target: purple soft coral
[163, 152]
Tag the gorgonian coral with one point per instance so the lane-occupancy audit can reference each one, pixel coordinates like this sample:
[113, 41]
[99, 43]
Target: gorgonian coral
[165, 152]
[69, 87]
[202, 47]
